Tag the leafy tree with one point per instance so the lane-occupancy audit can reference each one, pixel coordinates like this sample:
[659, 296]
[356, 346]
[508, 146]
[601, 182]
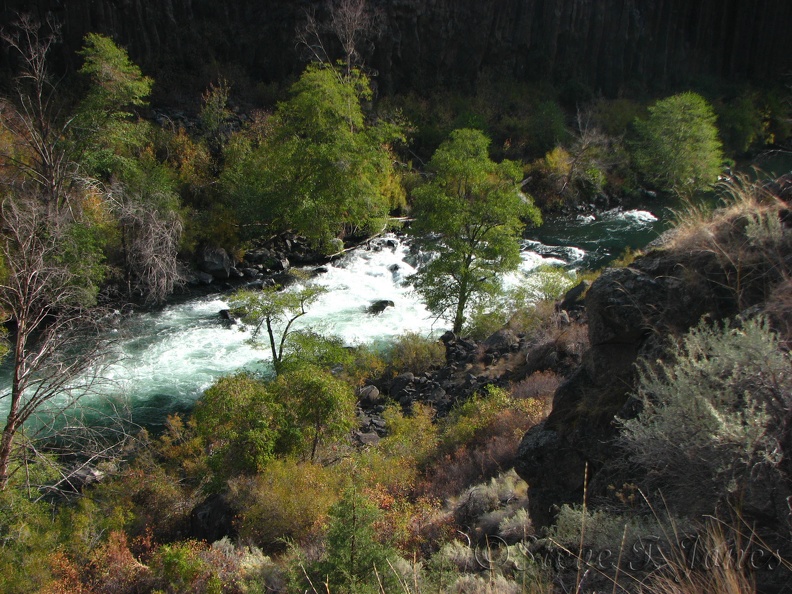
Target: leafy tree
[470, 215]
[319, 406]
[117, 148]
[321, 169]
[241, 420]
[354, 557]
[274, 309]
[677, 148]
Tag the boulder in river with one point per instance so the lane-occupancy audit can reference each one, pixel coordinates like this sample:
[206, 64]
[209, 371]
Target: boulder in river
[379, 306]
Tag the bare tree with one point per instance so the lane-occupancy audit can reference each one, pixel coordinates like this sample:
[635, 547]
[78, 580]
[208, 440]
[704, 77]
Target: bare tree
[53, 345]
[37, 152]
[150, 241]
[351, 22]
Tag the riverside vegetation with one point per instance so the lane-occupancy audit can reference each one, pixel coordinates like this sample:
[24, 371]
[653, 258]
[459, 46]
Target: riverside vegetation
[355, 470]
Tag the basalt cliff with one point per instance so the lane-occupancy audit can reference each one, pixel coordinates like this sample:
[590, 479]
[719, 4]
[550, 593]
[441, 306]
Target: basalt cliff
[607, 45]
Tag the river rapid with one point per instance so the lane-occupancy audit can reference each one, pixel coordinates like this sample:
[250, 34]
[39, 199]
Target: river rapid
[163, 360]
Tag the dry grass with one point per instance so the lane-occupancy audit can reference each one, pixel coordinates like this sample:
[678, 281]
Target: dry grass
[739, 249]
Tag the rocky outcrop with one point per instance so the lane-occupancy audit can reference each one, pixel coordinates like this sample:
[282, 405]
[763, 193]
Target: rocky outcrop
[631, 313]
[606, 44]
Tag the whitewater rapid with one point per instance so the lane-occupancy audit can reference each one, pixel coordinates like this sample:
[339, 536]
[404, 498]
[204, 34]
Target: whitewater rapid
[163, 360]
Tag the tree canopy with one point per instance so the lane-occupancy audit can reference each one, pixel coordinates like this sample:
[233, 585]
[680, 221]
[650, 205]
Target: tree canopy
[678, 149]
[321, 169]
[470, 214]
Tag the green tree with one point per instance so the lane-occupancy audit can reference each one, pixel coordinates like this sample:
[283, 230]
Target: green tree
[275, 310]
[354, 558]
[118, 148]
[470, 215]
[677, 147]
[241, 420]
[319, 406]
[321, 169]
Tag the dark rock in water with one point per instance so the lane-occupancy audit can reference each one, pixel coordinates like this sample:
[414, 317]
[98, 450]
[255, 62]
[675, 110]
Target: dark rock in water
[320, 270]
[212, 519]
[251, 272]
[572, 298]
[225, 315]
[215, 261]
[394, 268]
[379, 306]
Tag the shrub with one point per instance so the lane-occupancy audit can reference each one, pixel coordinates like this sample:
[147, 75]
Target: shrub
[478, 413]
[713, 416]
[414, 352]
[318, 407]
[355, 561]
[287, 501]
[240, 420]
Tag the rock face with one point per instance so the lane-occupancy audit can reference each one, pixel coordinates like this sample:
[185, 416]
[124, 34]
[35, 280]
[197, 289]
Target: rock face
[604, 44]
[631, 312]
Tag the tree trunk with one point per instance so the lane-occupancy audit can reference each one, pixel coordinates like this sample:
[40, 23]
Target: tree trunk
[6, 444]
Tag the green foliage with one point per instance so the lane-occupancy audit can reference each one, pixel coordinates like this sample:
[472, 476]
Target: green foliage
[27, 536]
[287, 501]
[308, 348]
[275, 310]
[213, 109]
[470, 214]
[320, 169]
[354, 558]
[319, 407]
[241, 420]
[414, 352]
[117, 82]
[180, 567]
[474, 414]
[677, 148]
[713, 417]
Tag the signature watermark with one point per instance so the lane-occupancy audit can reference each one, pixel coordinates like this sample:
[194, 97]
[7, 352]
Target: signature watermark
[643, 554]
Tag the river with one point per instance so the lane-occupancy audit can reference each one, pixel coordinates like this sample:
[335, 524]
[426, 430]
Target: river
[165, 359]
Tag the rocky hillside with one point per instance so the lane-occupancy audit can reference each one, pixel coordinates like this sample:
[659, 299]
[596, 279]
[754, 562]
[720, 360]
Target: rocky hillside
[740, 262]
[606, 45]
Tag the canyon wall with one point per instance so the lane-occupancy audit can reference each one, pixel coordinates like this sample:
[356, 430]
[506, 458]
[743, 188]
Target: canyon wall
[608, 45]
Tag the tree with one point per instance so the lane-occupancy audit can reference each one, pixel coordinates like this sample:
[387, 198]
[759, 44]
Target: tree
[116, 148]
[241, 421]
[321, 169]
[37, 152]
[49, 246]
[677, 147]
[352, 22]
[470, 215]
[355, 561]
[275, 310]
[319, 405]
[44, 295]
